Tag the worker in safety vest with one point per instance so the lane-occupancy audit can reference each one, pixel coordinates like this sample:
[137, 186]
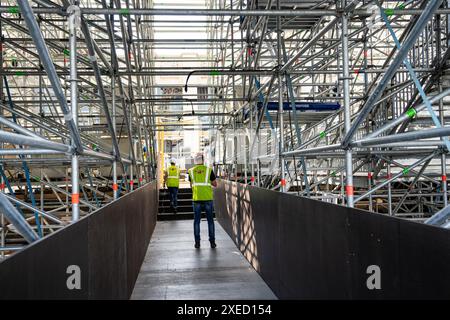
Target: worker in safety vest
[202, 178]
[172, 181]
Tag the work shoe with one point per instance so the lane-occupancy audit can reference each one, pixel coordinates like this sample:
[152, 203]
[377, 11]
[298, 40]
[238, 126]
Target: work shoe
[197, 245]
[213, 244]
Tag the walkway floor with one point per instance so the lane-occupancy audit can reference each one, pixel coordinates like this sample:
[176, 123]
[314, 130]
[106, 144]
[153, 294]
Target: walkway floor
[173, 269]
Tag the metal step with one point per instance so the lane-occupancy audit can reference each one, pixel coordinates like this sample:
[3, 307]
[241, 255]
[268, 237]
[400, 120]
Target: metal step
[166, 202]
[180, 208]
[178, 216]
[180, 191]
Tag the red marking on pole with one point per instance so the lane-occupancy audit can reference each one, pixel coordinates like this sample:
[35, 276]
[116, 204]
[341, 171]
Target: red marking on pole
[131, 182]
[366, 53]
[283, 182]
[356, 71]
[2, 186]
[129, 55]
[140, 179]
[252, 179]
[1, 47]
[75, 198]
[115, 187]
[369, 175]
[349, 190]
[389, 176]
[444, 178]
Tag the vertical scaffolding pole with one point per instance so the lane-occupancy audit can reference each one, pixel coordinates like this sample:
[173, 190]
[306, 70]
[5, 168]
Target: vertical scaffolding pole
[443, 155]
[131, 165]
[2, 182]
[258, 173]
[114, 173]
[250, 156]
[389, 176]
[347, 113]
[369, 184]
[74, 15]
[233, 86]
[280, 104]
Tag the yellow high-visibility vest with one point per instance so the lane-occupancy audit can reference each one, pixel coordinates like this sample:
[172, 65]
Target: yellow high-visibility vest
[201, 185]
[173, 177]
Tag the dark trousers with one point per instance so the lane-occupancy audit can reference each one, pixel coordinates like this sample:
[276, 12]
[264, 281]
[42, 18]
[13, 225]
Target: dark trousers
[173, 193]
[207, 206]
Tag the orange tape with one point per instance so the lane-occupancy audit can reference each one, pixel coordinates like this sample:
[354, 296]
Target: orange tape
[75, 198]
[349, 190]
[115, 187]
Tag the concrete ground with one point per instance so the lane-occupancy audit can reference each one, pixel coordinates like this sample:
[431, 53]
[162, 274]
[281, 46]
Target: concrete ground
[174, 270]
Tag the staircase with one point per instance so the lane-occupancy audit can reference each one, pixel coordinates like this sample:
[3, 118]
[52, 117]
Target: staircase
[185, 211]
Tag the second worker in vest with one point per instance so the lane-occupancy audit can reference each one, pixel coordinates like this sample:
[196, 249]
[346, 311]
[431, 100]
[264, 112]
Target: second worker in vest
[172, 181]
[202, 178]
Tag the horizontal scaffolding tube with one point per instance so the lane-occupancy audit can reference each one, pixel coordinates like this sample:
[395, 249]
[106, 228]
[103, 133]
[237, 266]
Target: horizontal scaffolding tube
[401, 137]
[330, 147]
[19, 139]
[218, 12]
[16, 152]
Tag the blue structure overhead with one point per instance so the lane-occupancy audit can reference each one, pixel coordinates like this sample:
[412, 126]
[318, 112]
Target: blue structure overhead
[304, 106]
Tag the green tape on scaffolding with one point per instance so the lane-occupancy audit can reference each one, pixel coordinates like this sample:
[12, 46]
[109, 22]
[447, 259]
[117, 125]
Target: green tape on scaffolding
[389, 12]
[411, 112]
[406, 171]
[125, 11]
[19, 73]
[323, 134]
[13, 10]
[333, 174]
[401, 6]
[66, 52]
[215, 72]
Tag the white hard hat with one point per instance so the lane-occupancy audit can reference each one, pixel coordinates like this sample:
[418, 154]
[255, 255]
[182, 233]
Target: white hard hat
[172, 160]
[198, 158]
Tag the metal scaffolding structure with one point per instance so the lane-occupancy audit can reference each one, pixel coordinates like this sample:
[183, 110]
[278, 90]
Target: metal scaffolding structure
[383, 149]
[342, 101]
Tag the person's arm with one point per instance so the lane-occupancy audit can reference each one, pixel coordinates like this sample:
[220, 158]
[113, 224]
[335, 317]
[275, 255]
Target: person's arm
[189, 179]
[212, 177]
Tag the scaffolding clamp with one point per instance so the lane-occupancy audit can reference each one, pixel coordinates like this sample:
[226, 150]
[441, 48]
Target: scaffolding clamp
[76, 11]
